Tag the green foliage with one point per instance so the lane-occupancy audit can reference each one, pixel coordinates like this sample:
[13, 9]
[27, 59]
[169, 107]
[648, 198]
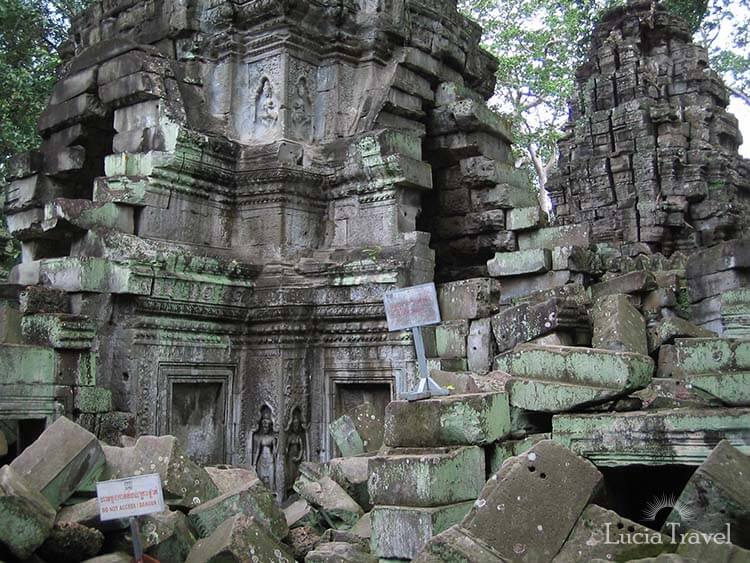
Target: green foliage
[30, 33]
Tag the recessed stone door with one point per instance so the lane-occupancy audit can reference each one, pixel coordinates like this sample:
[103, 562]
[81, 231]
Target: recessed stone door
[195, 406]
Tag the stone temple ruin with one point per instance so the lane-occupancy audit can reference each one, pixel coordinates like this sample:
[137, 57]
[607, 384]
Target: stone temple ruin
[224, 193]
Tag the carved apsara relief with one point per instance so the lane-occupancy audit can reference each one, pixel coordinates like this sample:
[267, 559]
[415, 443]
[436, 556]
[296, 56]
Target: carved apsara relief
[266, 121]
[301, 118]
[265, 445]
[296, 447]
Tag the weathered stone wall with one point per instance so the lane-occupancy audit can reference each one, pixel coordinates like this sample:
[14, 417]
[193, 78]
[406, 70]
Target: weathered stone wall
[651, 153]
[225, 191]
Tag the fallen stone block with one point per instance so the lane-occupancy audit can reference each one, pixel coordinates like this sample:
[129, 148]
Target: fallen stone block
[346, 437]
[604, 534]
[71, 542]
[297, 513]
[26, 515]
[239, 539]
[475, 419]
[525, 218]
[550, 237]
[229, 478]
[252, 499]
[426, 477]
[670, 328]
[716, 499]
[352, 474]
[528, 321]
[517, 288]
[86, 513]
[456, 545]
[560, 378]
[302, 540]
[617, 325]
[669, 393]
[458, 383]
[363, 528]
[450, 339]
[522, 262]
[631, 283]
[468, 299]
[730, 255]
[445, 364]
[167, 536]
[185, 484]
[400, 532]
[735, 313]
[535, 499]
[717, 366]
[339, 552]
[480, 346]
[369, 424]
[506, 449]
[717, 551]
[711, 285]
[327, 496]
[63, 459]
[675, 436]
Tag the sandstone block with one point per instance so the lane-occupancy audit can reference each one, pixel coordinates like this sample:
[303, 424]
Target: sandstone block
[369, 424]
[229, 478]
[550, 237]
[618, 325]
[604, 534]
[529, 321]
[456, 545]
[167, 536]
[468, 299]
[71, 542]
[346, 437]
[559, 378]
[450, 337]
[631, 283]
[334, 552]
[239, 539]
[323, 492]
[717, 496]
[480, 346]
[617, 439]
[475, 419]
[400, 532]
[26, 515]
[252, 499]
[522, 262]
[352, 474]
[64, 458]
[669, 328]
[536, 499]
[428, 477]
[525, 218]
[184, 483]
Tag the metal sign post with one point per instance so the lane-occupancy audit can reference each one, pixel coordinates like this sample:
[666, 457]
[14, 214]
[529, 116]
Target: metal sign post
[415, 307]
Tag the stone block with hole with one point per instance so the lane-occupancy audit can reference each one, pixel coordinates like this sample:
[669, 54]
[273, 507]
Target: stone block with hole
[535, 499]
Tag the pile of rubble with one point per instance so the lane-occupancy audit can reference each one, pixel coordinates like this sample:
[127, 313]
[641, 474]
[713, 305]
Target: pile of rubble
[49, 510]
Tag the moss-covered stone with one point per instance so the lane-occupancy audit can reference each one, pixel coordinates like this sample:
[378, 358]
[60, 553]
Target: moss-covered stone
[26, 517]
[400, 532]
[474, 419]
[429, 477]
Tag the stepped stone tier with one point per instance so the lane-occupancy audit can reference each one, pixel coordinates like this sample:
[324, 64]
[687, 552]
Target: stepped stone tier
[223, 194]
[651, 152]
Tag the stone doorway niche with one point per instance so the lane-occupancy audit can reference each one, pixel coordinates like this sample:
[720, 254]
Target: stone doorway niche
[350, 387]
[196, 405]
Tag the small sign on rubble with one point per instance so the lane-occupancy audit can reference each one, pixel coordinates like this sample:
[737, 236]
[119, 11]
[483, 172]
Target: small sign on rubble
[133, 496]
[415, 307]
